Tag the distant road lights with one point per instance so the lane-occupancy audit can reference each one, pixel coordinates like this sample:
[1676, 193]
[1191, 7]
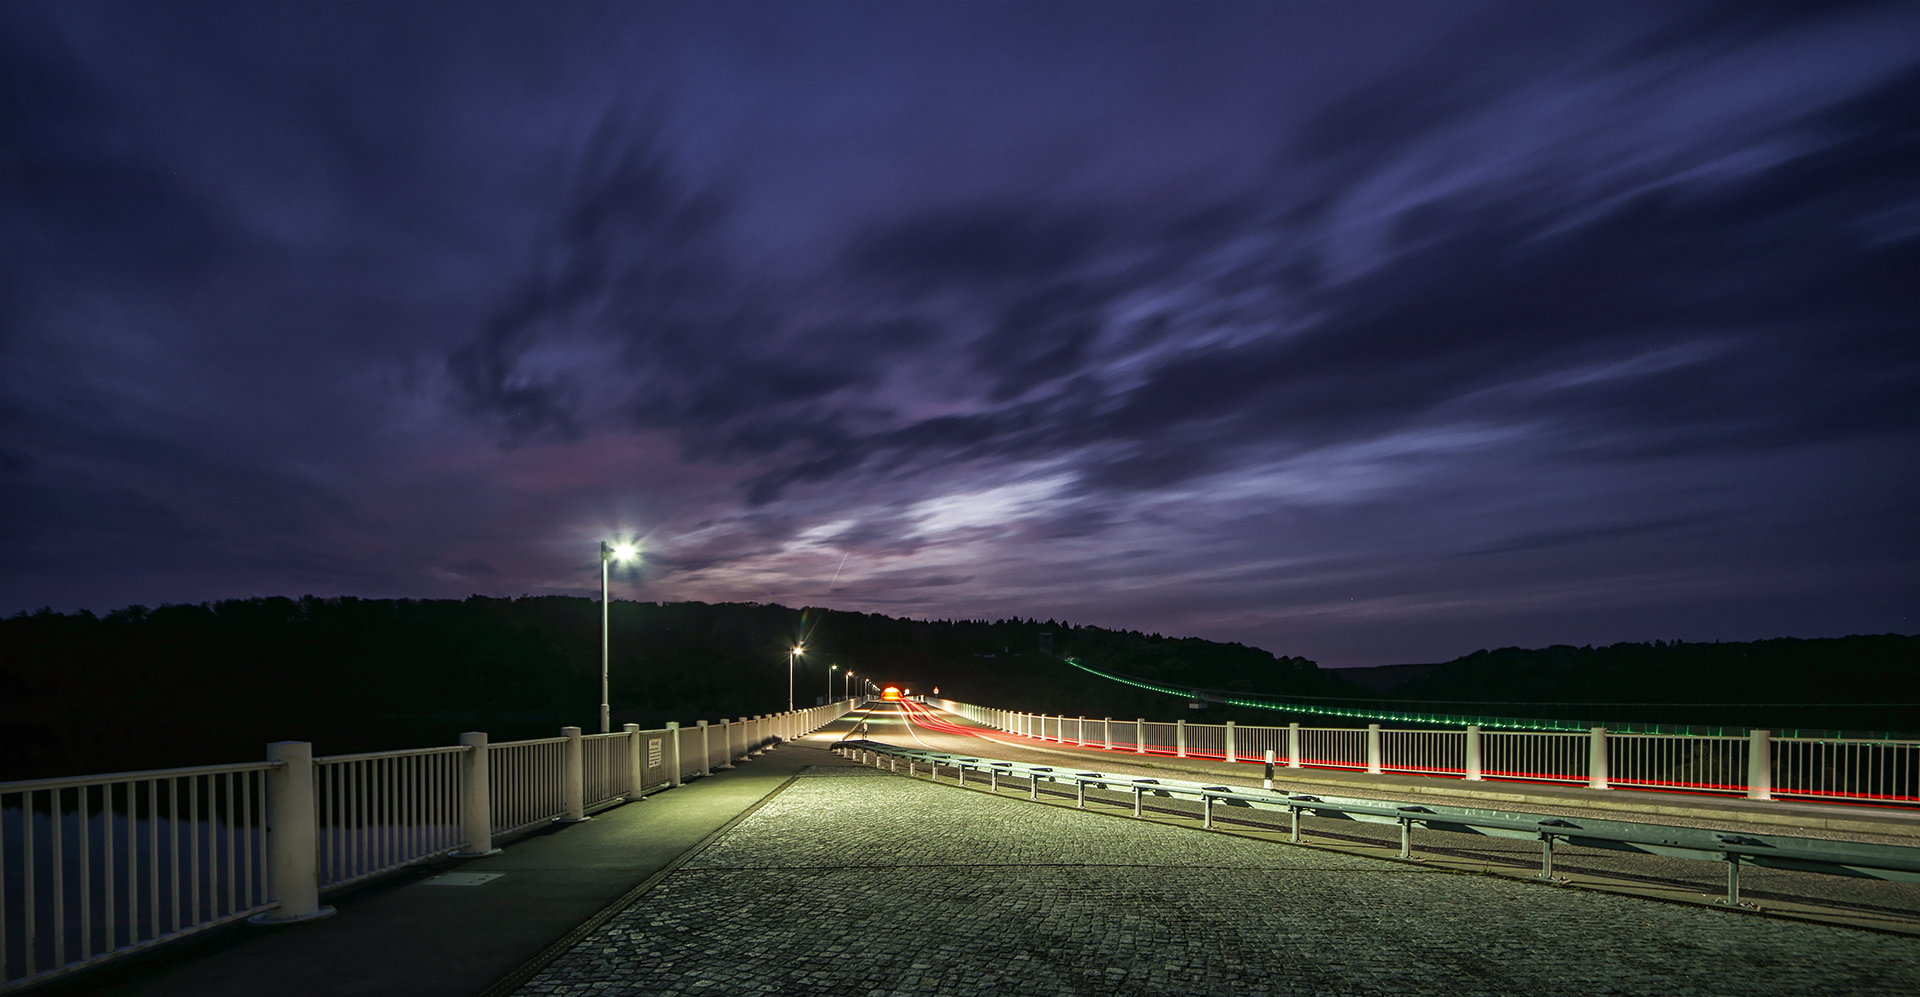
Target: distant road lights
[798, 650]
[609, 553]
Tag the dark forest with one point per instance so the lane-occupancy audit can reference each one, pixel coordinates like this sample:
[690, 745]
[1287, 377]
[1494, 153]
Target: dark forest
[192, 684]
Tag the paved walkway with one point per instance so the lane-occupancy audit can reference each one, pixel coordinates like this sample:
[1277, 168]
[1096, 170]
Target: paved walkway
[402, 936]
[854, 882]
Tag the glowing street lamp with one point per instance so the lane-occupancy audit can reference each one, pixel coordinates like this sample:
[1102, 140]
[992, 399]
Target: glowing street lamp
[798, 649]
[830, 670]
[846, 685]
[608, 554]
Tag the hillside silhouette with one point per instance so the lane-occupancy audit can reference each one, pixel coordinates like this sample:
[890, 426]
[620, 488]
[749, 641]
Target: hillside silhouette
[194, 684]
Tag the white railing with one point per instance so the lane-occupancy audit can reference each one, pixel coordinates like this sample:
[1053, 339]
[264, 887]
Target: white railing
[94, 868]
[1757, 765]
[105, 866]
[379, 811]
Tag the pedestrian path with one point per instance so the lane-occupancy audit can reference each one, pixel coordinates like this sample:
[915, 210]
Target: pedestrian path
[409, 935]
[855, 882]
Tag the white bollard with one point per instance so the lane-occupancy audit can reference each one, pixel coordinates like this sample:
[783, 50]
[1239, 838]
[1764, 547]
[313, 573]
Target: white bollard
[1293, 746]
[1140, 736]
[1269, 781]
[673, 735]
[706, 751]
[1597, 758]
[1373, 749]
[476, 808]
[1232, 756]
[291, 875]
[1106, 728]
[1473, 753]
[573, 774]
[1180, 739]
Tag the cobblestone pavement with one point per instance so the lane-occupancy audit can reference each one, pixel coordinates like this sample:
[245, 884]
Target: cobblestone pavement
[853, 882]
[1840, 893]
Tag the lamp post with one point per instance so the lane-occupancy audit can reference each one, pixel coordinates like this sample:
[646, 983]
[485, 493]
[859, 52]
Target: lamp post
[846, 685]
[798, 650]
[608, 554]
[830, 670]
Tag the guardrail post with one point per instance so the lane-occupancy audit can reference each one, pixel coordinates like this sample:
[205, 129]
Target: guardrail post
[636, 771]
[1180, 738]
[1106, 728]
[1293, 746]
[706, 751]
[1231, 758]
[673, 731]
[476, 802]
[1760, 765]
[1373, 749]
[573, 774]
[1597, 758]
[1140, 736]
[291, 872]
[1473, 753]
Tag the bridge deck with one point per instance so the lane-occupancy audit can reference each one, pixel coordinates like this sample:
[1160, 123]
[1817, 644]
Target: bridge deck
[801, 872]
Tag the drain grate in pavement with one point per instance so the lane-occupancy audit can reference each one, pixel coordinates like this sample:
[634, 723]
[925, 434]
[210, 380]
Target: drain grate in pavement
[462, 878]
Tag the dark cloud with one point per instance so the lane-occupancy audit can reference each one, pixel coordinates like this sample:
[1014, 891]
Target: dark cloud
[987, 243]
[1007, 308]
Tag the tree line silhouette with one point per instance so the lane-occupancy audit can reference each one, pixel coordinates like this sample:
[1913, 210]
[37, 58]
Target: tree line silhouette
[197, 684]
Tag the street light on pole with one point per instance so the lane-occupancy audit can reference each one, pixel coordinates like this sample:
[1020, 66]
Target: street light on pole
[846, 685]
[608, 554]
[830, 670]
[798, 649]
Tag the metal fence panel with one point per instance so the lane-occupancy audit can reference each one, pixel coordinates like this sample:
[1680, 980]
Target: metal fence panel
[100, 867]
[379, 811]
[1840, 769]
[525, 777]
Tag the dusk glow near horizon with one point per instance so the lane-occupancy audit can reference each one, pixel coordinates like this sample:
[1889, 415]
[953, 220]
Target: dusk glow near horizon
[1368, 332]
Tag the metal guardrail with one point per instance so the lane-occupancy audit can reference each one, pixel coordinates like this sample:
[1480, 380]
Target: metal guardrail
[1897, 863]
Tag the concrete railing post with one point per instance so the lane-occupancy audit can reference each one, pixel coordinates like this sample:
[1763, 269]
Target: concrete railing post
[1597, 758]
[291, 835]
[1180, 738]
[1230, 752]
[673, 738]
[1293, 746]
[476, 802]
[1373, 749]
[636, 768]
[573, 775]
[1080, 731]
[1473, 753]
[706, 751]
[1140, 736]
[1106, 729]
[1760, 765]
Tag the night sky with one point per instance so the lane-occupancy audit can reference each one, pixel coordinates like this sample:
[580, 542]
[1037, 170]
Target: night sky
[1374, 333]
